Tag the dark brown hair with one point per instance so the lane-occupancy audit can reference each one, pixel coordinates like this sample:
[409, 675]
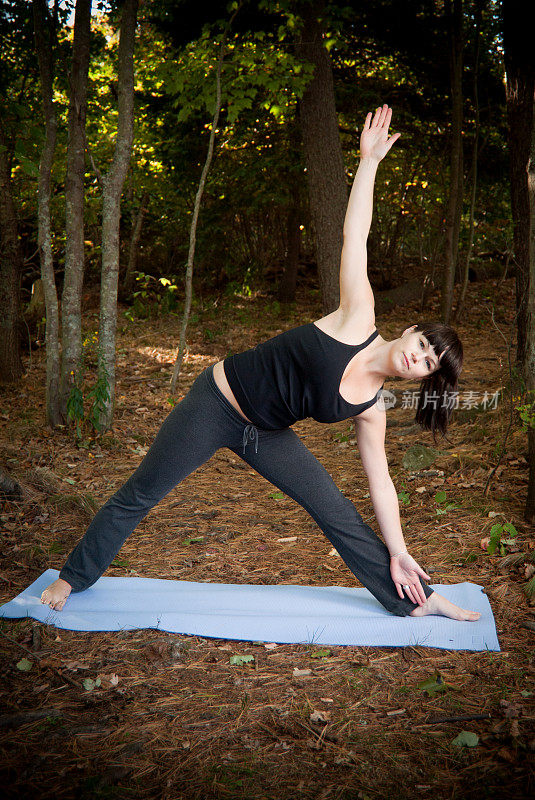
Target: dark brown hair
[438, 391]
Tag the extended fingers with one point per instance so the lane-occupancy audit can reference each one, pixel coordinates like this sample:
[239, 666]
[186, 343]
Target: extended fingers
[382, 114]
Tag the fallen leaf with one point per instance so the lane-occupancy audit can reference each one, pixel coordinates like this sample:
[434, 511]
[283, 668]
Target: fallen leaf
[288, 539]
[270, 645]
[89, 684]
[108, 681]
[320, 717]
[301, 673]
[157, 652]
[239, 661]
[466, 739]
[74, 665]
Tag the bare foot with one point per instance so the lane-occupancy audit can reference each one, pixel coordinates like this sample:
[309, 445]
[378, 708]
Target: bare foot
[437, 604]
[56, 594]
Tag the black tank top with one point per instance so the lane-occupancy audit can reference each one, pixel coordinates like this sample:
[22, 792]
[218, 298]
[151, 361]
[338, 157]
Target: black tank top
[292, 376]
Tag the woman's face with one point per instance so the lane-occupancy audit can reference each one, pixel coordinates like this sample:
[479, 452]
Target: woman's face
[413, 356]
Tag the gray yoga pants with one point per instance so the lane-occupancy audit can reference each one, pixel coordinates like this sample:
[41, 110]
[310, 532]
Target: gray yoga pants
[199, 425]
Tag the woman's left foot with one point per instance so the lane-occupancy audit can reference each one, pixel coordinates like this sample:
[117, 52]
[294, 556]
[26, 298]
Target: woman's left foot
[437, 604]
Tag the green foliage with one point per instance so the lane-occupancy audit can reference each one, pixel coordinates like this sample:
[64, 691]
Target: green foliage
[404, 496]
[152, 296]
[444, 507]
[258, 171]
[434, 685]
[526, 411]
[497, 539]
[96, 397]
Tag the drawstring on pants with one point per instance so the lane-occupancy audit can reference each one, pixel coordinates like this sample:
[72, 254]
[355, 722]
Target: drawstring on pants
[250, 434]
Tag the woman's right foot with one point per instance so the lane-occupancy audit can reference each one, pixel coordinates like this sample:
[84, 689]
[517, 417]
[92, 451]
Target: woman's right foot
[56, 594]
[437, 604]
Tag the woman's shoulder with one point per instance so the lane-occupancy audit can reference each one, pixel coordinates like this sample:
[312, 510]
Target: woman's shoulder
[350, 328]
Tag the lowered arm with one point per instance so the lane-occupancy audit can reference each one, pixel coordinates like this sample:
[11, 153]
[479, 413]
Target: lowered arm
[370, 428]
[405, 571]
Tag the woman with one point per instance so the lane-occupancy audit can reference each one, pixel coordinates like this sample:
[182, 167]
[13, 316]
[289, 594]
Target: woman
[248, 403]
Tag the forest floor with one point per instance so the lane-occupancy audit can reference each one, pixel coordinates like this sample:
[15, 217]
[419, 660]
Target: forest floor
[173, 718]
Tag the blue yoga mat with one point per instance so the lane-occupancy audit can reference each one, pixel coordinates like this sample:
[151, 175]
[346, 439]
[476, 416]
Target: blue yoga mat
[328, 615]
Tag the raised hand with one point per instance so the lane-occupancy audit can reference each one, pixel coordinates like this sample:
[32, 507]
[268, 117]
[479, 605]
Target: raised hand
[405, 571]
[374, 139]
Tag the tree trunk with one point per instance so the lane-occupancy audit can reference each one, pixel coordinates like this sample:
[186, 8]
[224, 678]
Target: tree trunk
[520, 72]
[529, 362]
[71, 305]
[45, 35]
[128, 283]
[327, 184]
[196, 208]
[454, 18]
[288, 284]
[111, 215]
[473, 171]
[10, 272]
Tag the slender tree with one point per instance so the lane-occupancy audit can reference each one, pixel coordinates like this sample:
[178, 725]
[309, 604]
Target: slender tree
[520, 82]
[10, 272]
[45, 25]
[323, 154]
[71, 305]
[520, 91]
[454, 19]
[197, 205]
[473, 166]
[113, 183]
[529, 361]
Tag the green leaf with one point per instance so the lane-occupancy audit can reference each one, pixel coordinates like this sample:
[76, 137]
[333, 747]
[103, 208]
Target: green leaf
[432, 686]
[440, 497]
[321, 654]
[466, 739]
[277, 495]
[117, 562]
[88, 684]
[24, 665]
[193, 539]
[239, 661]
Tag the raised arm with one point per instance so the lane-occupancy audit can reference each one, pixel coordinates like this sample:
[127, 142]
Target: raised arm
[355, 289]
